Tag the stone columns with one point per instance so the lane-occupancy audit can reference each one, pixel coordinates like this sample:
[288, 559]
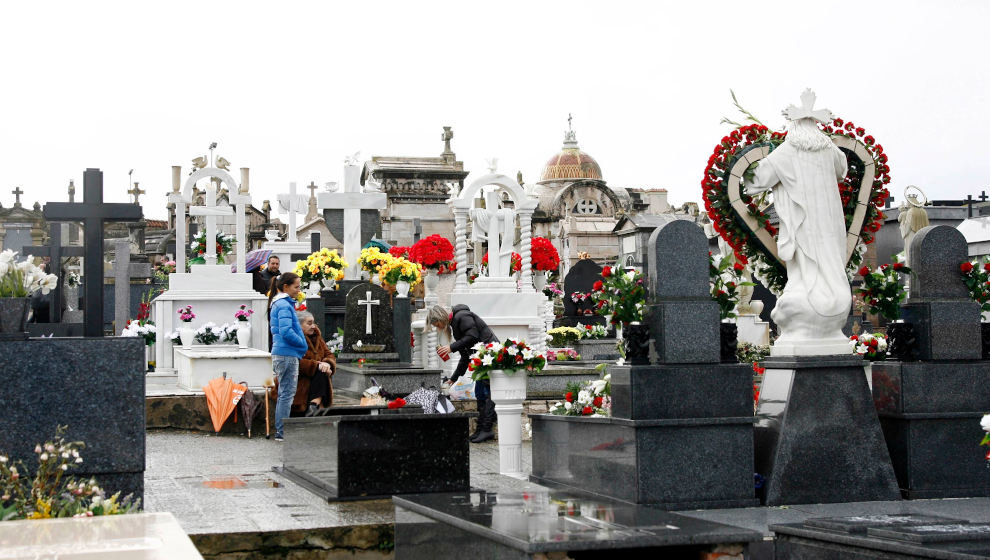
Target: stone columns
[526, 249]
[460, 248]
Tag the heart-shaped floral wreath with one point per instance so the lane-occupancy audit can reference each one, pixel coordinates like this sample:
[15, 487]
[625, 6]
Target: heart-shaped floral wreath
[743, 221]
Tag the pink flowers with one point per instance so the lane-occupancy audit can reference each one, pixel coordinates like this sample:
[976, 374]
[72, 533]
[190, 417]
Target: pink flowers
[243, 314]
[186, 314]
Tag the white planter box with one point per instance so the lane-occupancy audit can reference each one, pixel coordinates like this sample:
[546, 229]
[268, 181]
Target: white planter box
[198, 365]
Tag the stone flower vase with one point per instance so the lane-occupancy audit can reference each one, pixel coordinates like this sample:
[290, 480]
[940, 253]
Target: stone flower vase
[13, 317]
[637, 343]
[187, 335]
[402, 289]
[902, 342]
[728, 340]
[508, 393]
[431, 280]
[539, 280]
[243, 335]
[327, 284]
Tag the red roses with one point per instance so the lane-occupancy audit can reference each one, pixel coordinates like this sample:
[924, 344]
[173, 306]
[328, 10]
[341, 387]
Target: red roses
[606, 272]
[966, 267]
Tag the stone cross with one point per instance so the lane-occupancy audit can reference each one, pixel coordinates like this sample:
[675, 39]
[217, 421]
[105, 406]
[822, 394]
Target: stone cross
[17, 192]
[55, 250]
[369, 302]
[92, 211]
[311, 212]
[121, 285]
[292, 204]
[352, 217]
[136, 192]
[417, 229]
[211, 211]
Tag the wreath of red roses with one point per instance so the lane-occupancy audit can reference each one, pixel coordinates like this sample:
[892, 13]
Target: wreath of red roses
[732, 227]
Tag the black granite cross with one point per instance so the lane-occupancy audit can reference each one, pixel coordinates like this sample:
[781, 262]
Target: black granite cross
[92, 211]
[890, 202]
[969, 202]
[57, 252]
[417, 229]
[17, 192]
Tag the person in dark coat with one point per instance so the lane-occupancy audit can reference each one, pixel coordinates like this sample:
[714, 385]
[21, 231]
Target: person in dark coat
[465, 329]
[263, 278]
[314, 390]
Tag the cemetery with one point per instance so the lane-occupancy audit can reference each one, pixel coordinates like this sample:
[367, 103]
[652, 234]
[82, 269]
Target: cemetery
[427, 358]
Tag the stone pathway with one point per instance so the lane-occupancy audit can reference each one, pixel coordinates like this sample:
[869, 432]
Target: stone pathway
[225, 485]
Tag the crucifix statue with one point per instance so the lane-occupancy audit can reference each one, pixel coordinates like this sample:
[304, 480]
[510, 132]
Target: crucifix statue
[369, 302]
[497, 225]
[292, 204]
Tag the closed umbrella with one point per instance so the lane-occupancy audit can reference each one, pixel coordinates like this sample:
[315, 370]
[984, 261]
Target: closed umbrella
[222, 396]
[249, 406]
[253, 259]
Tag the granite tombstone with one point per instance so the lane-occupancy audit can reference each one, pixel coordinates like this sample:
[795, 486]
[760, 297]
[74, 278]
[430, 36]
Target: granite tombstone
[667, 446]
[368, 320]
[928, 409]
[580, 280]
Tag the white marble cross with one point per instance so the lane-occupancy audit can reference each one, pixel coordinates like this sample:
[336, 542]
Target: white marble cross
[352, 201]
[211, 211]
[292, 204]
[369, 302]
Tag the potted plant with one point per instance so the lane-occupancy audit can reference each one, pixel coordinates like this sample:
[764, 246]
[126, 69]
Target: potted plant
[18, 280]
[243, 316]
[976, 276]
[373, 261]
[436, 254]
[620, 296]
[325, 267]
[545, 259]
[403, 274]
[724, 280]
[186, 332]
[883, 293]
[507, 364]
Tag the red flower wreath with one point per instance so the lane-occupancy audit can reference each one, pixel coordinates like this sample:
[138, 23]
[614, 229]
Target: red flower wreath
[732, 228]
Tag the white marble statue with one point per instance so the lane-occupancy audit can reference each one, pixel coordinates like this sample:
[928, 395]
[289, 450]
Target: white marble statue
[497, 225]
[912, 218]
[803, 174]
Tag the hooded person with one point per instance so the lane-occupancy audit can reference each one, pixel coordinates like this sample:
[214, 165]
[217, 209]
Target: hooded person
[464, 329]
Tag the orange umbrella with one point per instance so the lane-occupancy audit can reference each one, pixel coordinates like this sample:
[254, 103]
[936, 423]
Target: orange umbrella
[222, 396]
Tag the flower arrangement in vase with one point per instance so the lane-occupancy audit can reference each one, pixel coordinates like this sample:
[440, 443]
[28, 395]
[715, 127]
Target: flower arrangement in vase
[620, 296]
[509, 356]
[324, 266]
[242, 331]
[224, 242]
[882, 293]
[373, 260]
[592, 332]
[724, 280]
[434, 252]
[552, 290]
[401, 273]
[208, 334]
[976, 276]
[544, 255]
[591, 398]
[21, 279]
[563, 336]
[186, 333]
[870, 346]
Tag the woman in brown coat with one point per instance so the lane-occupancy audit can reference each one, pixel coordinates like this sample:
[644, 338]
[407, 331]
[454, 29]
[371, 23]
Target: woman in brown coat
[314, 390]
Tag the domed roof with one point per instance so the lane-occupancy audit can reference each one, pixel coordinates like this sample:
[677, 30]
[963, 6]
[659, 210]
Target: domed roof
[570, 163]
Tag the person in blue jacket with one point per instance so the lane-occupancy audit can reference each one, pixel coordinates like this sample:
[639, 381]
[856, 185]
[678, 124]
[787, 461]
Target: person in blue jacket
[288, 343]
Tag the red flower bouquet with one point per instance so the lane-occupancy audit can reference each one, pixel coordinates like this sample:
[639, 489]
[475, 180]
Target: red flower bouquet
[434, 252]
[398, 251]
[544, 255]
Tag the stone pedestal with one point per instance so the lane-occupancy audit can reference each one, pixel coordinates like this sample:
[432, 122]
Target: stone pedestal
[199, 364]
[215, 294]
[286, 250]
[95, 386]
[753, 330]
[817, 436]
[401, 327]
[930, 414]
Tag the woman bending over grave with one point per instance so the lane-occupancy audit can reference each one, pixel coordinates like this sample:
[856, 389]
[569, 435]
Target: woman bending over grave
[288, 343]
[315, 370]
[464, 329]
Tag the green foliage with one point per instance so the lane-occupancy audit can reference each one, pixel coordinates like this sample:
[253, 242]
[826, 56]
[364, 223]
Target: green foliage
[976, 275]
[882, 291]
[725, 279]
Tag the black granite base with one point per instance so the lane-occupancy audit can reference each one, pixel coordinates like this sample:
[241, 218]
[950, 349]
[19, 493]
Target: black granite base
[397, 378]
[535, 523]
[377, 455]
[682, 391]
[692, 463]
[930, 414]
[95, 386]
[883, 537]
[817, 436]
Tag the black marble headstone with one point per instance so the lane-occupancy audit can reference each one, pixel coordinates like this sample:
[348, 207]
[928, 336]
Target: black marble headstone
[580, 279]
[368, 318]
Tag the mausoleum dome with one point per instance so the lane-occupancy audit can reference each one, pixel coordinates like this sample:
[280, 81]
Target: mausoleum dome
[570, 163]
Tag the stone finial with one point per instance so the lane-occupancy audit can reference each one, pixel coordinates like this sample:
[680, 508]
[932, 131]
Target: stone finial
[37, 206]
[678, 261]
[72, 190]
[447, 136]
[935, 254]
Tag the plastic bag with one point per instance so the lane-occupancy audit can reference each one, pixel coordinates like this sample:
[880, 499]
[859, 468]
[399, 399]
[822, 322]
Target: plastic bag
[463, 389]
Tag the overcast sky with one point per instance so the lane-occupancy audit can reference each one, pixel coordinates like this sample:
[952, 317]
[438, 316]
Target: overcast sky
[289, 88]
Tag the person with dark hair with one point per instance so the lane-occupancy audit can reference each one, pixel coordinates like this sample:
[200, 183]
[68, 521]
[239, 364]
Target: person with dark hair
[464, 329]
[288, 343]
[263, 278]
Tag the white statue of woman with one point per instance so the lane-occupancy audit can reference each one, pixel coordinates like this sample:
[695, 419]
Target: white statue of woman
[497, 226]
[912, 219]
[803, 174]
